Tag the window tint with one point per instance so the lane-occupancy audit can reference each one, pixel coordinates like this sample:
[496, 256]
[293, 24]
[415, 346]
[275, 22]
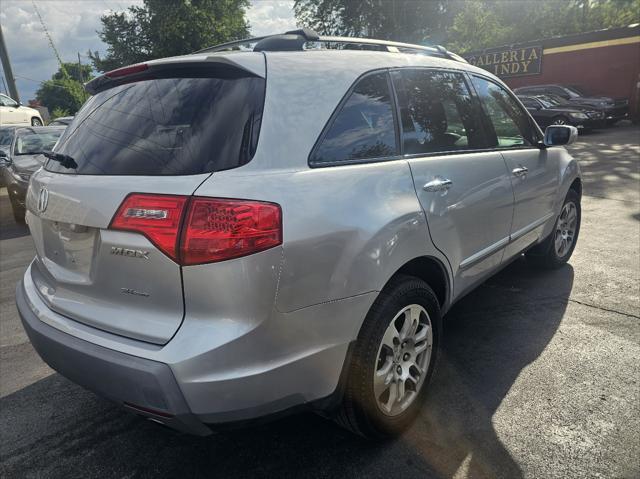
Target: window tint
[6, 101]
[167, 126]
[364, 127]
[29, 142]
[529, 102]
[6, 136]
[510, 122]
[436, 111]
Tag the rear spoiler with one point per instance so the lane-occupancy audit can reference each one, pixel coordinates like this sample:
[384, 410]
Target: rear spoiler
[223, 66]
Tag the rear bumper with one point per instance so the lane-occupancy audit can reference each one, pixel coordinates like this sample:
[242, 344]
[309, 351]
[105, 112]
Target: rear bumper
[192, 383]
[144, 386]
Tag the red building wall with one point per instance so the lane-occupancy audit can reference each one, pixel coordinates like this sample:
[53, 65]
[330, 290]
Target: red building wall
[612, 70]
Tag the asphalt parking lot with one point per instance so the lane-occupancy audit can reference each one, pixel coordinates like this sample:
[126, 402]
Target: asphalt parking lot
[540, 376]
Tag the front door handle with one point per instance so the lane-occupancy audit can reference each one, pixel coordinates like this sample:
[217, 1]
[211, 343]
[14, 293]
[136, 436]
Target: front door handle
[438, 184]
[520, 171]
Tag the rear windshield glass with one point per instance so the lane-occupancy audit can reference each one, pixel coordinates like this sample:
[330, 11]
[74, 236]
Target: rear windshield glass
[166, 126]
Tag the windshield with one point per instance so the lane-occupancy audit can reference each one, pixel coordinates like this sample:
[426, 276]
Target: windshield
[30, 142]
[576, 91]
[167, 126]
[549, 101]
[6, 136]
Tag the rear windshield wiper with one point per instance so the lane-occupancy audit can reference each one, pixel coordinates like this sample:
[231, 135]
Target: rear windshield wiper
[64, 160]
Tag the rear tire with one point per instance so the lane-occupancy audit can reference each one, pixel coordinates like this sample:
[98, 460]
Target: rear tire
[391, 366]
[36, 122]
[556, 250]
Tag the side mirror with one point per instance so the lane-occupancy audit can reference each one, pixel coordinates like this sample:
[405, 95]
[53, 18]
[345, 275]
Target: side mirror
[558, 135]
[4, 159]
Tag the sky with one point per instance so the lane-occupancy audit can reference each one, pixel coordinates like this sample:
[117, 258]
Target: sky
[72, 25]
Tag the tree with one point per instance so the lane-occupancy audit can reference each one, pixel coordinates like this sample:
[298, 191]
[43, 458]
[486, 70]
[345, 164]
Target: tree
[489, 23]
[65, 93]
[400, 20]
[464, 25]
[161, 28]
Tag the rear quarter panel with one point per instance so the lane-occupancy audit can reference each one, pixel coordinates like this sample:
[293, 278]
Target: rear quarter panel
[346, 229]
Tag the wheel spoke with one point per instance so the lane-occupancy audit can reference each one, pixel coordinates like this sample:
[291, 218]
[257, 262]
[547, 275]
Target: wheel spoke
[407, 324]
[401, 390]
[390, 334]
[421, 347]
[422, 334]
[393, 395]
[383, 378]
[558, 240]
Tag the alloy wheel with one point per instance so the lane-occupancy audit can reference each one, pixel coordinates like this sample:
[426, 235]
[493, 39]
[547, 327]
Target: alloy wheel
[566, 229]
[403, 360]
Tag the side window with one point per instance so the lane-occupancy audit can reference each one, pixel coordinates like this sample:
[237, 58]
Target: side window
[437, 112]
[510, 122]
[364, 128]
[554, 90]
[529, 103]
[6, 101]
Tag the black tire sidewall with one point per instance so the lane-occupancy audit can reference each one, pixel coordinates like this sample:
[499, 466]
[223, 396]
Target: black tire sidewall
[406, 291]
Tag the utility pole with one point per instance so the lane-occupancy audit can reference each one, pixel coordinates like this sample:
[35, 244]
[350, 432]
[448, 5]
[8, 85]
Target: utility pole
[80, 69]
[6, 66]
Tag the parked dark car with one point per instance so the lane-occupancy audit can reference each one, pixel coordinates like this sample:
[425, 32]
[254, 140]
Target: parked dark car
[6, 138]
[615, 109]
[22, 159]
[61, 121]
[552, 110]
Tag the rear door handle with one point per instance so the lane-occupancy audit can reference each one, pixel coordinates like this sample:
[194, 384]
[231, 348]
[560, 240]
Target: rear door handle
[438, 184]
[520, 171]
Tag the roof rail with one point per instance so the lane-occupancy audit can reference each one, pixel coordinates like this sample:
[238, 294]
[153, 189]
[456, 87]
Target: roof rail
[295, 40]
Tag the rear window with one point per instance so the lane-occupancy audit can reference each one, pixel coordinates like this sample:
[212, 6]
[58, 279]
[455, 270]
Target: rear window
[166, 126]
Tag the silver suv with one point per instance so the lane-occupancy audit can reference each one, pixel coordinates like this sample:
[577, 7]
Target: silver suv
[276, 224]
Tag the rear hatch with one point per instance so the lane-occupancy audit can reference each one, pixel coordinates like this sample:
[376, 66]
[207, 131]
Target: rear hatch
[161, 130]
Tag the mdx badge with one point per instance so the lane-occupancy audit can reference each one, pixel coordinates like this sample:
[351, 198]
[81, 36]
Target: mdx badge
[43, 200]
[130, 253]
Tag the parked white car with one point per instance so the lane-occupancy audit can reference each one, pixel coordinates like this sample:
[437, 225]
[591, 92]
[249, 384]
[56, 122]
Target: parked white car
[13, 113]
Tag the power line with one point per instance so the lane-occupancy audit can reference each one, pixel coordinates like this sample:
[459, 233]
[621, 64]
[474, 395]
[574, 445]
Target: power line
[53, 47]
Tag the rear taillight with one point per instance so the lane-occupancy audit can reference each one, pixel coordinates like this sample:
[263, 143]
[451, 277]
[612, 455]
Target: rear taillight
[219, 229]
[196, 230]
[158, 217]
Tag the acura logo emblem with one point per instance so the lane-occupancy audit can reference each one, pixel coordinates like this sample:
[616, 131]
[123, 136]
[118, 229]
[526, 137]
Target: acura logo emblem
[43, 200]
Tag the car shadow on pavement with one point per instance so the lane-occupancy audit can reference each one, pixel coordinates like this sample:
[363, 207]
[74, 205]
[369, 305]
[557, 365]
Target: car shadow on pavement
[8, 227]
[610, 166]
[54, 428]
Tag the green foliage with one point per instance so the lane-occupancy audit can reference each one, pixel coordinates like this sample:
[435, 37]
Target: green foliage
[57, 113]
[73, 70]
[464, 25]
[62, 93]
[400, 20]
[489, 23]
[163, 28]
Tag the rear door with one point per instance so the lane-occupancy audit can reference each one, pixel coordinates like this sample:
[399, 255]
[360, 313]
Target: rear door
[534, 171]
[163, 135]
[465, 193]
